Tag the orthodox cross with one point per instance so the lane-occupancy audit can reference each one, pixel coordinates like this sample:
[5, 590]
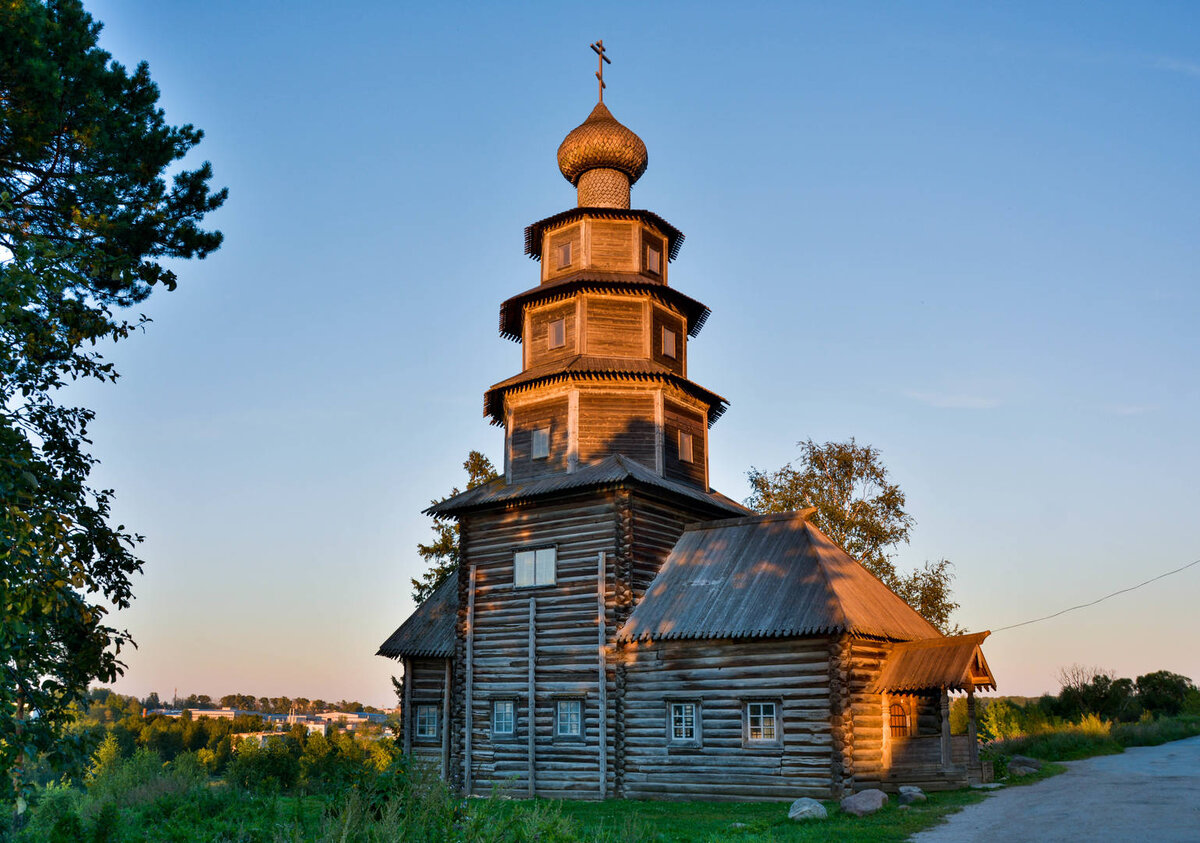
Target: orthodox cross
[598, 47]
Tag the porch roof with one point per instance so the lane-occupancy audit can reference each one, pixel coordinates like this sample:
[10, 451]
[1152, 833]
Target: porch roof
[955, 663]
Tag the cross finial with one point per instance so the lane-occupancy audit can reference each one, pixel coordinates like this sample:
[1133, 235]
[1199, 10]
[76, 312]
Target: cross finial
[598, 47]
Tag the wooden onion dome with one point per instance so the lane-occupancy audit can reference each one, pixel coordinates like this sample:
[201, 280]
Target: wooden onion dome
[603, 159]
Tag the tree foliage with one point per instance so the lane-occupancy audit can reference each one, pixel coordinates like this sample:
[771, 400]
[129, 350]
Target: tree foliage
[86, 221]
[441, 554]
[861, 510]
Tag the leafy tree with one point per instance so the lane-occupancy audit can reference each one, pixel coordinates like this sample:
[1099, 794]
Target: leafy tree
[861, 510]
[87, 220]
[441, 554]
[1164, 692]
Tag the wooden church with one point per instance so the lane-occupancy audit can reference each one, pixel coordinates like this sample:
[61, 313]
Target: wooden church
[617, 628]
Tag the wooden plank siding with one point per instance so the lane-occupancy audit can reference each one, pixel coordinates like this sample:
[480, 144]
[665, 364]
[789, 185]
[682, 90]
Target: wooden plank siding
[679, 417]
[616, 422]
[722, 675]
[572, 234]
[537, 334]
[529, 417]
[614, 326]
[662, 318]
[428, 687]
[613, 245]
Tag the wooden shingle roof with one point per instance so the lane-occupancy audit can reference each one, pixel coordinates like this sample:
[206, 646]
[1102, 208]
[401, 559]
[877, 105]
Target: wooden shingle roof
[955, 663]
[429, 631]
[613, 470]
[768, 576]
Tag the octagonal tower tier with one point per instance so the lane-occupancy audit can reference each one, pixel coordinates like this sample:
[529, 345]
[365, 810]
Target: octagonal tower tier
[604, 338]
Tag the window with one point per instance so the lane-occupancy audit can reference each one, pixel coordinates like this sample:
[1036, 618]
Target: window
[568, 719]
[504, 718]
[668, 342]
[898, 720]
[683, 725]
[427, 721]
[563, 253]
[685, 447]
[557, 333]
[762, 722]
[534, 567]
[539, 444]
[651, 258]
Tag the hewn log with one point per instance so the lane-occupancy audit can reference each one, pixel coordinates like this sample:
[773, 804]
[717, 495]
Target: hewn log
[947, 757]
[532, 693]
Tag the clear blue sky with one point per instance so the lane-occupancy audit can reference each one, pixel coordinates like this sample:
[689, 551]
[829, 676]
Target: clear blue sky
[965, 234]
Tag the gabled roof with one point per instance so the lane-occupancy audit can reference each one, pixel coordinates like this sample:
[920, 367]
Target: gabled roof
[429, 631]
[767, 576]
[533, 231]
[955, 663]
[512, 311]
[589, 367]
[611, 471]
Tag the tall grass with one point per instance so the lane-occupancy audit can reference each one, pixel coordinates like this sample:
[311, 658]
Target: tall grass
[1058, 741]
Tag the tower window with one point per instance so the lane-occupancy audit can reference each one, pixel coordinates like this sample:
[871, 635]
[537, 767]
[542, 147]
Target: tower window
[563, 253]
[557, 333]
[539, 443]
[534, 567]
[651, 258]
[668, 342]
[685, 447]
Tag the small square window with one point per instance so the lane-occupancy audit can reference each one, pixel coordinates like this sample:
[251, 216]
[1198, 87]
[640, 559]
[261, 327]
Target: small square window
[504, 718]
[762, 722]
[539, 443]
[427, 721]
[668, 342]
[651, 259]
[534, 567]
[557, 333]
[568, 719]
[685, 447]
[684, 722]
[563, 254]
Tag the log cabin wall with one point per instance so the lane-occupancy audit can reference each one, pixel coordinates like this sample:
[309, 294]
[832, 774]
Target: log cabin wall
[866, 711]
[721, 676]
[566, 661]
[427, 688]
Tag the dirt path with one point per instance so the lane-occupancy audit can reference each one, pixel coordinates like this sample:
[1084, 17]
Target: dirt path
[1145, 793]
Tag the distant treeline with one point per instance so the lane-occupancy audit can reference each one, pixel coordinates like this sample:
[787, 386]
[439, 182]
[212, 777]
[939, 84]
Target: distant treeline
[245, 702]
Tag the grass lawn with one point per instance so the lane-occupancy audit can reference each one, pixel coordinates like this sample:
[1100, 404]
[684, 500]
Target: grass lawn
[714, 821]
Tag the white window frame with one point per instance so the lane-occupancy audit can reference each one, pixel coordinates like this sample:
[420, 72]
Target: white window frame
[678, 722]
[539, 443]
[562, 253]
[755, 718]
[565, 706]
[510, 718]
[535, 566]
[425, 721]
[669, 349]
[556, 333]
[686, 447]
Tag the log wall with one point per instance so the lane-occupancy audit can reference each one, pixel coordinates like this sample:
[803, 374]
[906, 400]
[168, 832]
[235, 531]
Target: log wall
[537, 333]
[526, 419]
[428, 686]
[722, 675]
[616, 423]
[680, 417]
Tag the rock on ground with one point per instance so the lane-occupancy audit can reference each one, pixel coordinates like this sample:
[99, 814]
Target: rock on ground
[807, 809]
[910, 793]
[864, 802]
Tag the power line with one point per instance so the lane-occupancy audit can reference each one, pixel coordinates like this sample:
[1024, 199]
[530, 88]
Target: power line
[1098, 600]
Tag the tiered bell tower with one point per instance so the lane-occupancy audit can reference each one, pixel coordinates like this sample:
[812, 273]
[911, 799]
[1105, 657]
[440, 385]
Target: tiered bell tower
[603, 336]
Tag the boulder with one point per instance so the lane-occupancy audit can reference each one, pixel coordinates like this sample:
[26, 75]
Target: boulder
[1020, 770]
[1025, 761]
[864, 802]
[911, 793]
[807, 809]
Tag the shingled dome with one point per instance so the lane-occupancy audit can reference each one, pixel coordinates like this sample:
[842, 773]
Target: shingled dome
[602, 158]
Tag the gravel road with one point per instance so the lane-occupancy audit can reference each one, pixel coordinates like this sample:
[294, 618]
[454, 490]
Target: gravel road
[1145, 793]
